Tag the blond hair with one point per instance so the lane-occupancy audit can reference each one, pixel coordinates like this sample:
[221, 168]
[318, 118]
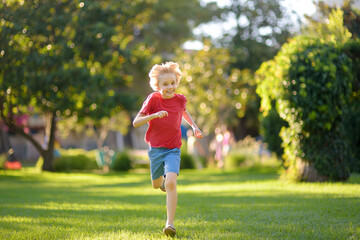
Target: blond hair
[157, 70]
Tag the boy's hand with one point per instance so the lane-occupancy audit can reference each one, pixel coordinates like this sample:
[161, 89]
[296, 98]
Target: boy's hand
[161, 114]
[198, 133]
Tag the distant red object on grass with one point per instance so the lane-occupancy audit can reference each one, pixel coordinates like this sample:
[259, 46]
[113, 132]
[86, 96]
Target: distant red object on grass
[12, 165]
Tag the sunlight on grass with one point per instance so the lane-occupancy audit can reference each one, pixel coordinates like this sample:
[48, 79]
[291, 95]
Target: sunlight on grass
[213, 204]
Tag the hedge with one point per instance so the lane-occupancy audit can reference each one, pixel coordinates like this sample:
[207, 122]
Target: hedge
[310, 81]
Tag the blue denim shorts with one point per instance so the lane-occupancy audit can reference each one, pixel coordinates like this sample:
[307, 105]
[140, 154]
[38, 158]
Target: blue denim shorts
[163, 160]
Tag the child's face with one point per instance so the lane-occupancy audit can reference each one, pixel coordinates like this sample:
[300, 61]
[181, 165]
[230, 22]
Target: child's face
[167, 85]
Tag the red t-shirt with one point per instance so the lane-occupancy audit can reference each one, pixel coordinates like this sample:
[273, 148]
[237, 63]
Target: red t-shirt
[166, 131]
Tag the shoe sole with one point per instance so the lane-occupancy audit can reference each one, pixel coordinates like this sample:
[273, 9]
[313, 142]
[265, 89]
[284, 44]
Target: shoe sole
[169, 232]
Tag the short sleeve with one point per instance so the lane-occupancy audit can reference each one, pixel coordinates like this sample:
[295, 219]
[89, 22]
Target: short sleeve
[147, 105]
[183, 101]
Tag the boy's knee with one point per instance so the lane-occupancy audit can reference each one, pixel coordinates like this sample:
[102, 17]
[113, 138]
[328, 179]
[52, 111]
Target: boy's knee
[170, 184]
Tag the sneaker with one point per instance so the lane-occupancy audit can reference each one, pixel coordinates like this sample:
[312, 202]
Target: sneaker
[169, 230]
[162, 188]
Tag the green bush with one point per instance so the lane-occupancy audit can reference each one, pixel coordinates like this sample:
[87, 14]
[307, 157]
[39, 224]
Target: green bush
[75, 159]
[353, 136]
[271, 125]
[3, 159]
[39, 164]
[203, 161]
[310, 81]
[234, 160]
[352, 49]
[187, 161]
[250, 153]
[122, 162]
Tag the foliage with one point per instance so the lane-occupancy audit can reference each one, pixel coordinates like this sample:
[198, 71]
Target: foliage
[203, 161]
[352, 133]
[271, 125]
[171, 24]
[350, 19]
[75, 159]
[3, 159]
[310, 81]
[245, 102]
[161, 22]
[164, 29]
[187, 161]
[250, 153]
[119, 121]
[262, 26]
[65, 58]
[352, 49]
[122, 162]
[339, 27]
[333, 30]
[39, 164]
[219, 96]
[234, 160]
[76, 59]
[205, 82]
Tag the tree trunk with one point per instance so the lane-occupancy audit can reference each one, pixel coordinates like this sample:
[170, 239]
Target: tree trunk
[5, 146]
[45, 152]
[310, 174]
[48, 155]
[48, 161]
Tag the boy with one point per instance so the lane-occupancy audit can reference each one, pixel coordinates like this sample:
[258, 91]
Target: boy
[163, 110]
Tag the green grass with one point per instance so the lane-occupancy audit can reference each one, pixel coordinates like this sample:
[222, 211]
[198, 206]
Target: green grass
[212, 205]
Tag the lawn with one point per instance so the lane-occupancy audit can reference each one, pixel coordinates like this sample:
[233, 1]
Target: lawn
[212, 204]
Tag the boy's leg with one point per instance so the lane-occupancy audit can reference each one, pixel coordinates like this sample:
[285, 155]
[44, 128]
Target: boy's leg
[171, 196]
[157, 183]
[156, 166]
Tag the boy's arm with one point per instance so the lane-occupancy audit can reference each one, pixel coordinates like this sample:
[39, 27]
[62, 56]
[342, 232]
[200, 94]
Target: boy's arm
[141, 118]
[187, 117]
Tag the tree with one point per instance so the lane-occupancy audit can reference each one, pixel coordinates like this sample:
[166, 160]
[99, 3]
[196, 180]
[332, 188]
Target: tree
[333, 30]
[171, 24]
[219, 96]
[245, 102]
[64, 58]
[207, 84]
[118, 121]
[168, 25]
[262, 26]
[351, 18]
[165, 28]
